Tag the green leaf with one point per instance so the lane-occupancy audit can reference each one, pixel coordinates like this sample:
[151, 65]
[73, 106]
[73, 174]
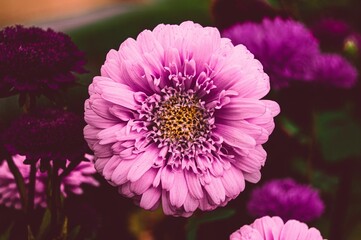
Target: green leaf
[338, 134]
[321, 180]
[292, 130]
[45, 225]
[30, 234]
[74, 233]
[194, 222]
[6, 234]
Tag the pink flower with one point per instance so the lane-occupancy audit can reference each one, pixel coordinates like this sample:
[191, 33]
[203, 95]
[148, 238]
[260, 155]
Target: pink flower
[71, 183]
[274, 228]
[176, 118]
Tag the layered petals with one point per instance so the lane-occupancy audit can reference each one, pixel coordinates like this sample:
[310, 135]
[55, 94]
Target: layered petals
[176, 118]
[273, 228]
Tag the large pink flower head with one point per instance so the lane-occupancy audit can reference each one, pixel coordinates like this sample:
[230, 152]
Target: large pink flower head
[71, 183]
[176, 118]
[274, 228]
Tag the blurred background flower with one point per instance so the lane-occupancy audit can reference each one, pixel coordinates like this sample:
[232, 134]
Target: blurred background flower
[35, 61]
[284, 47]
[287, 199]
[47, 135]
[71, 183]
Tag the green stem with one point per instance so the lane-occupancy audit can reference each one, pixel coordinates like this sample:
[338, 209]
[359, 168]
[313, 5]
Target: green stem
[20, 183]
[55, 201]
[31, 190]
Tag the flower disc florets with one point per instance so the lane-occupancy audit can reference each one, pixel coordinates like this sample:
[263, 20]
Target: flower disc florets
[33, 60]
[176, 118]
[46, 134]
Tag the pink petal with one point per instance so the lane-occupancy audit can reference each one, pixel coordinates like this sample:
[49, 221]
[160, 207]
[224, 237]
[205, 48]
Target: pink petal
[120, 173]
[143, 183]
[233, 182]
[235, 137]
[150, 198]
[268, 228]
[142, 164]
[194, 185]
[190, 203]
[179, 190]
[167, 178]
[292, 230]
[216, 190]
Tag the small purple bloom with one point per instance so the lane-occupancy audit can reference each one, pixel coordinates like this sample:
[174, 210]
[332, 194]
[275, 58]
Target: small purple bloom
[46, 134]
[37, 61]
[332, 69]
[287, 199]
[284, 47]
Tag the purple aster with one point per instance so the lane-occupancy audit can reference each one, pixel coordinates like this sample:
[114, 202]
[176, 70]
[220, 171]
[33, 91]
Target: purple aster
[71, 183]
[273, 228]
[176, 118]
[284, 47]
[331, 32]
[37, 61]
[334, 70]
[46, 134]
[287, 199]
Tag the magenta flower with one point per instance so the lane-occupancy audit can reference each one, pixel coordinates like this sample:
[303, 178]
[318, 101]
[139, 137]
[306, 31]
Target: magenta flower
[176, 118]
[287, 199]
[274, 228]
[71, 183]
[284, 47]
[334, 70]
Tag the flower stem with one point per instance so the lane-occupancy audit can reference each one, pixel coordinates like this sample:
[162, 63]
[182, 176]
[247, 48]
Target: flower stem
[55, 201]
[31, 190]
[19, 182]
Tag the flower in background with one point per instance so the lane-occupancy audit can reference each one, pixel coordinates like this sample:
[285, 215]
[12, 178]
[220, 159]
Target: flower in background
[334, 70]
[71, 183]
[284, 47]
[274, 228]
[176, 118]
[37, 61]
[352, 46]
[331, 32]
[47, 134]
[287, 199]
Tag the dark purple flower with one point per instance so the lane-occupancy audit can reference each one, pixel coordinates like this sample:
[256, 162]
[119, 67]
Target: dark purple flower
[334, 70]
[331, 32]
[284, 47]
[37, 61]
[47, 134]
[287, 199]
